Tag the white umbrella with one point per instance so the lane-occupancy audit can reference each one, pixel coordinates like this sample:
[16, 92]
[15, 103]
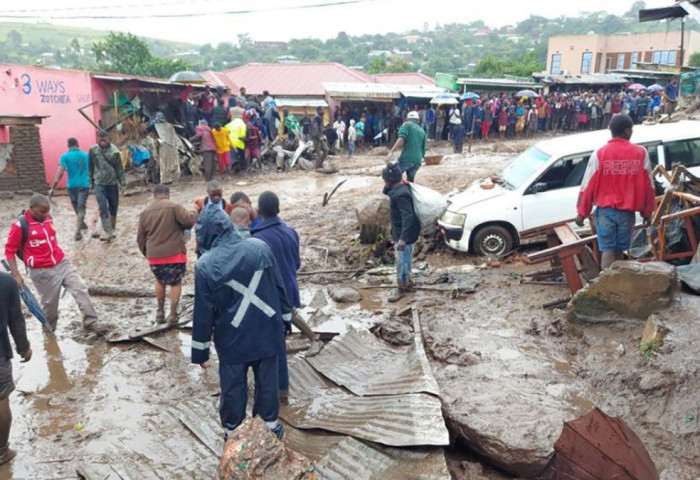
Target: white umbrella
[527, 93]
[187, 78]
[444, 99]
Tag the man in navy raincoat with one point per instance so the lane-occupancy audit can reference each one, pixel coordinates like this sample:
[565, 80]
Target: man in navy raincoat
[241, 301]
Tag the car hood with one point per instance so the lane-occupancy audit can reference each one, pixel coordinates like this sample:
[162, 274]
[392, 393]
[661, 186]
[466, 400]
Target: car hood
[474, 194]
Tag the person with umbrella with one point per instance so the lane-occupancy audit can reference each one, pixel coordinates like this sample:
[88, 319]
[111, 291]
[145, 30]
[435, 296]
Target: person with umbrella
[12, 320]
[411, 141]
[32, 239]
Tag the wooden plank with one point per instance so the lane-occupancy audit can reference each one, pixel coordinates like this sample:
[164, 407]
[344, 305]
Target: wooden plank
[687, 196]
[537, 231]
[138, 334]
[682, 214]
[568, 249]
[566, 234]
[18, 120]
[573, 279]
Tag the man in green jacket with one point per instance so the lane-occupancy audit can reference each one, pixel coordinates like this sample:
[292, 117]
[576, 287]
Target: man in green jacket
[411, 141]
[106, 175]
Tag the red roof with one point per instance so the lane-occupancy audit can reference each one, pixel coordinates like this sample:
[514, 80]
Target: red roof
[293, 79]
[410, 78]
[219, 79]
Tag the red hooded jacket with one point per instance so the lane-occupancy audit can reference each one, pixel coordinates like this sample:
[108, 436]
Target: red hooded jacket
[41, 249]
[618, 176]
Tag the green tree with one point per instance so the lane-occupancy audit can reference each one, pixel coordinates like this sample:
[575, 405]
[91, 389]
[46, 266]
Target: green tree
[75, 45]
[694, 60]
[377, 65]
[126, 53]
[399, 66]
[14, 38]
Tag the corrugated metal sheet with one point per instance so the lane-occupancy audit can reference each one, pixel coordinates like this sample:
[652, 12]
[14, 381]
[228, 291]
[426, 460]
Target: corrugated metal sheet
[355, 459]
[395, 420]
[292, 79]
[361, 90]
[301, 102]
[409, 78]
[366, 365]
[219, 79]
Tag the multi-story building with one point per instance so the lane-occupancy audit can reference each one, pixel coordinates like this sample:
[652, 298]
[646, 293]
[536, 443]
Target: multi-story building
[586, 54]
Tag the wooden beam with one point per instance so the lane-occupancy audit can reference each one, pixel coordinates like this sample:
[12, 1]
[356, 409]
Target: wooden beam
[570, 249]
[11, 120]
[682, 214]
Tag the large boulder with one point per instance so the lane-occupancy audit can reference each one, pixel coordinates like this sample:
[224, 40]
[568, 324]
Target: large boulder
[344, 294]
[628, 289]
[374, 216]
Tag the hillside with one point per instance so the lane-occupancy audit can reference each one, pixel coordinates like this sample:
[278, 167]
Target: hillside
[68, 47]
[517, 49]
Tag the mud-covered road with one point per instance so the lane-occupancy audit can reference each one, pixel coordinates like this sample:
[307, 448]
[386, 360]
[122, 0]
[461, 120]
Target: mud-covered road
[82, 401]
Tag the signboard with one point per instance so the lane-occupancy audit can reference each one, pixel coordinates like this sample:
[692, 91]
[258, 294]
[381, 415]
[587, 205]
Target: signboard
[446, 80]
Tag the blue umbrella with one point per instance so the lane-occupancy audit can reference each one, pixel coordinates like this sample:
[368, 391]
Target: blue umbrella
[469, 96]
[654, 88]
[30, 300]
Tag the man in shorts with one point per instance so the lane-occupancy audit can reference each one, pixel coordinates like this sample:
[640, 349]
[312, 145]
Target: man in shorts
[11, 319]
[618, 182]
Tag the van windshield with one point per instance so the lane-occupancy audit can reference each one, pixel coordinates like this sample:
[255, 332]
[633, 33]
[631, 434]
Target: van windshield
[524, 166]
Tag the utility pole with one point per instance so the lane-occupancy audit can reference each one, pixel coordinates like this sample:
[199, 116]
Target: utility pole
[682, 41]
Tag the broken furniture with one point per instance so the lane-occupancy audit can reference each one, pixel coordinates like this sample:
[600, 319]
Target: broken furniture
[684, 188]
[568, 252]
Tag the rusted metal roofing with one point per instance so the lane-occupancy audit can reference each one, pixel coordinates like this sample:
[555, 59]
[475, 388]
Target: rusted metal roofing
[366, 365]
[292, 79]
[394, 420]
[409, 78]
[352, 458]
[219, 79]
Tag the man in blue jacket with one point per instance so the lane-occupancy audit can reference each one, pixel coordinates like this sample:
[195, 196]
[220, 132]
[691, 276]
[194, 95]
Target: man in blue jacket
[284, 243]
[240, 299]
[282, 240]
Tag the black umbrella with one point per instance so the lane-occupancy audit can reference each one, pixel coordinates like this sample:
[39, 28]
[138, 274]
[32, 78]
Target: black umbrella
[30, 300]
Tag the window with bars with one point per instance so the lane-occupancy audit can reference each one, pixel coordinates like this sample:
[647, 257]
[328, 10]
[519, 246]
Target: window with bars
[586, 60]
[621, 57]
[556, 64]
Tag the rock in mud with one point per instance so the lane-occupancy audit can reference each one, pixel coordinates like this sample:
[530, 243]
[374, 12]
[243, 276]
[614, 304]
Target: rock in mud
[343, 294]
[319, 300]
[394, 332]
[254, 452]
[375, 211]
[655, 331]
[628, 289]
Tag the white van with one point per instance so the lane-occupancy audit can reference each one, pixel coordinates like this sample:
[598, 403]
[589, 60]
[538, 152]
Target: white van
[541, 186]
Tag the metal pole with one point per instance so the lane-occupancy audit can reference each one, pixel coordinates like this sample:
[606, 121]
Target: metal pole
[682, 41]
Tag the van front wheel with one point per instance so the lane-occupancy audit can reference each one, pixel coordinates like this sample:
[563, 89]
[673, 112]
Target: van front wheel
[493, 240]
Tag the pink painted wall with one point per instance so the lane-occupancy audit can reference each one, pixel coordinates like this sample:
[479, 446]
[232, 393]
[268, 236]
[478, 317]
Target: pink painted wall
[58, 94]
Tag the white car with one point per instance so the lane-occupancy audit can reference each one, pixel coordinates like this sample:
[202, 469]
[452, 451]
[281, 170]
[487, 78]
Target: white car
[541, 186]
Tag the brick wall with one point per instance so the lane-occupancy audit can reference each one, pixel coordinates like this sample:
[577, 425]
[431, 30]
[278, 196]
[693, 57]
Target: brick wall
[28, 161]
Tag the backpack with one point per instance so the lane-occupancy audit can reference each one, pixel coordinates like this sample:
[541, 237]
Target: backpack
[429, 206]
[24, 225]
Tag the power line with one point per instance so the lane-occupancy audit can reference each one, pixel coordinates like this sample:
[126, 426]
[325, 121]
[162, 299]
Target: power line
[177, 15]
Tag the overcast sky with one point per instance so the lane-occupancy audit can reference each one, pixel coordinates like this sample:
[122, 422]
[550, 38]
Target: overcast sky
[368, 16]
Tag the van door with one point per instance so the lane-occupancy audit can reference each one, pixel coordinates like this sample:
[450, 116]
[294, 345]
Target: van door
[553, 196]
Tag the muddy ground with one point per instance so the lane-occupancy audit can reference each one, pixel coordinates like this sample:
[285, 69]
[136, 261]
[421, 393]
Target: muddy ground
[82, 401]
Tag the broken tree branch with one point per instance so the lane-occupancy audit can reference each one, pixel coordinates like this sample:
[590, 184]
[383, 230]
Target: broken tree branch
[327, 196]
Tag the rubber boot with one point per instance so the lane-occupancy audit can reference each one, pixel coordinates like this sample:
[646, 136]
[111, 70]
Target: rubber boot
[173, 317]
[397, 294]
[113, 224]
[160, 314]
[79, 226]
[107, 233]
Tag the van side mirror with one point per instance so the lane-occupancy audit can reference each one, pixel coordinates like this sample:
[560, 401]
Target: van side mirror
[538, 187]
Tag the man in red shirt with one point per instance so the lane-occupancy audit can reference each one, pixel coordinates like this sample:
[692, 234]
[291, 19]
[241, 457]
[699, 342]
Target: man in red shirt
[48, 267]
[618, 181]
